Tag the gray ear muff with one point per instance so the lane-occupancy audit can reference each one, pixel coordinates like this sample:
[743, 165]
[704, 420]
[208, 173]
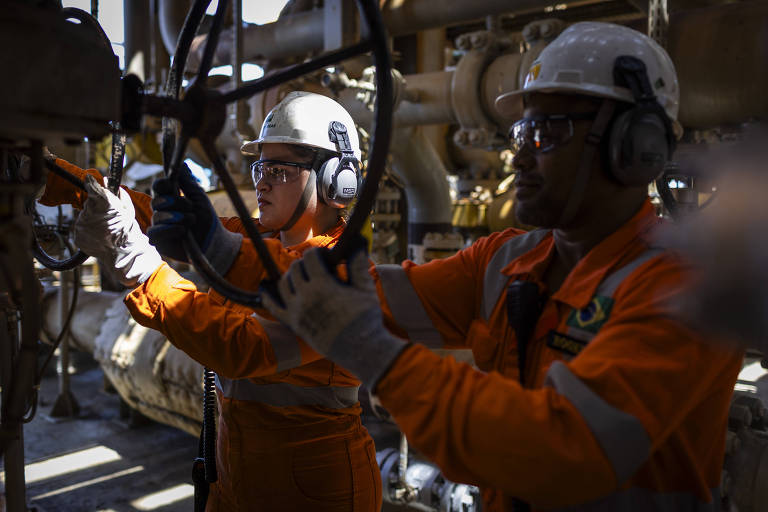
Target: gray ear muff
[337, 183]
[641, 139]
[638, 146]
[338, 178]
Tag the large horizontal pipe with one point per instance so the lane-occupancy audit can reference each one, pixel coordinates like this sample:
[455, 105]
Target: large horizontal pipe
[414, 15]
[302, 33]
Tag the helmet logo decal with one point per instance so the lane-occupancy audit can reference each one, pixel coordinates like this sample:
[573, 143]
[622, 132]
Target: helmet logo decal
[532, 75]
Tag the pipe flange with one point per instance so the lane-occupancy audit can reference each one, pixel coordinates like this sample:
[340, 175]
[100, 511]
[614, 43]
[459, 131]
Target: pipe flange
[466, 98]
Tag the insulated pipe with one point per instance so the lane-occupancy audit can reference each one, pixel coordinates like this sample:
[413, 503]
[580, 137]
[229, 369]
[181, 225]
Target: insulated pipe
[150, 374]
[418, 165]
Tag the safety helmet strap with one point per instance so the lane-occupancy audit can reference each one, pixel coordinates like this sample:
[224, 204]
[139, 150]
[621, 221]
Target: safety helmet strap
[301, 206]
[588, 154]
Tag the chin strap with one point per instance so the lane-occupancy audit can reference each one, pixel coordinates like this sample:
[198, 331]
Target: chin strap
[591, 149]
[303, 201]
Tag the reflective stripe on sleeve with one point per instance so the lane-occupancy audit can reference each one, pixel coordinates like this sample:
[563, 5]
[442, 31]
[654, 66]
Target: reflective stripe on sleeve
[645, 500]
[462, 355]
[284, 343]
[494, 281]
[282, 394]
[406, 307]
[621, 436]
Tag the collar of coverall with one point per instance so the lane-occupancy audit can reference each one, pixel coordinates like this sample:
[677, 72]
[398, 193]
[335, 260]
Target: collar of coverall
[588, 154]
[611, 253]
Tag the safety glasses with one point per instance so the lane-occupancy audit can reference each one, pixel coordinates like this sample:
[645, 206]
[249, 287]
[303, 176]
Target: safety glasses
[544, 133]
[276, 172]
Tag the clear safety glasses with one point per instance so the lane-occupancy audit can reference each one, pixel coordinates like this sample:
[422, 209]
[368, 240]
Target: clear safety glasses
[544, 133]
[276, 172]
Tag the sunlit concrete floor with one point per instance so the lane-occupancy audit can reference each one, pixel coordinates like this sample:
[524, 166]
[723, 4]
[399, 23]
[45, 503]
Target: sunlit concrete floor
[99, 461]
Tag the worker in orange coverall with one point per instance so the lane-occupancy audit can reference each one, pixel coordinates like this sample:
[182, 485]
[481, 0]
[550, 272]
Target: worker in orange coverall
[591, 394]
[289, 431]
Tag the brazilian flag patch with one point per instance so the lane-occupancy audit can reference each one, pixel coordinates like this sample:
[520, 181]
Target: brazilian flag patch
[592, 317]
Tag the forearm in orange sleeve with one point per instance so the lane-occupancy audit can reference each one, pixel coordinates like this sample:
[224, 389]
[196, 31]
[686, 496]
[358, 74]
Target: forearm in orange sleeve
[59, 191]
[448, 292]
[487, 430]
[232, 343]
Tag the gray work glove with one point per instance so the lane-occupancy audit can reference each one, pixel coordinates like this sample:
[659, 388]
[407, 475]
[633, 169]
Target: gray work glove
[341, 321]
[107, 230]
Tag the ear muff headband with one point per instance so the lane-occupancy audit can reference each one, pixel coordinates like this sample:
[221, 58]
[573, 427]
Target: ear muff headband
[642, 138]
[338, 179]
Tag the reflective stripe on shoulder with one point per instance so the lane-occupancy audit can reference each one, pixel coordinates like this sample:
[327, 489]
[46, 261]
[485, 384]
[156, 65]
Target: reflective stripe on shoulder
[621, 436]
[282, 394]
[608, 286]
[494, 281]
[284, 343]
[646, 500]
[406, 307]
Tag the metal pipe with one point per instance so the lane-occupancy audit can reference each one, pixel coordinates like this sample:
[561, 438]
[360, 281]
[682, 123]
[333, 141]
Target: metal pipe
[137, 37]
[240, 108]
[433, 91]
[15, 486]
[65, 405]
[63, 368]
[415, 15]
[303, 33]
[171, 16]
[419, 167]
[13, 455]
[297, 34]
[159, 56]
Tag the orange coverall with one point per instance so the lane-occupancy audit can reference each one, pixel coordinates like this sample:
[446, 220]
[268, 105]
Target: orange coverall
[289, 431]
[622, 408]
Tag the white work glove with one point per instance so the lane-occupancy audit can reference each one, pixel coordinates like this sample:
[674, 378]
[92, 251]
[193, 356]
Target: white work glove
[107, 230]
[341, 321]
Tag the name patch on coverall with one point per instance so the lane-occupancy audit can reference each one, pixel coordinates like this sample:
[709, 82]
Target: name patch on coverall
[565, 343]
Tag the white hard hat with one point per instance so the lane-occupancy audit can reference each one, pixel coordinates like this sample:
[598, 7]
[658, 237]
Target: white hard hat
[303, 118]
[581, 60]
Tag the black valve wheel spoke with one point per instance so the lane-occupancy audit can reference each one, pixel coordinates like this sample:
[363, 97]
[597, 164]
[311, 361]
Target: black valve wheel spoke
[297, 70]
